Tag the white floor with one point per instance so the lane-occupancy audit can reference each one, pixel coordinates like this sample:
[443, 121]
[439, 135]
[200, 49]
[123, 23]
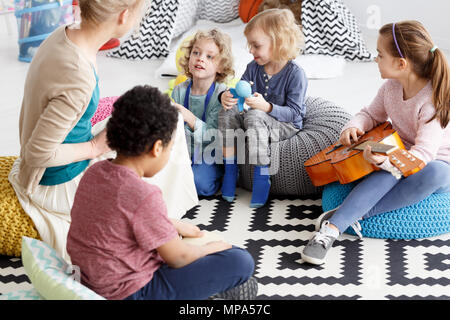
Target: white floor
[354, 89]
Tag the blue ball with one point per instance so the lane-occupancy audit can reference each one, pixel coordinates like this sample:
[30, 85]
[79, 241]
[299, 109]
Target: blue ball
[244, 89]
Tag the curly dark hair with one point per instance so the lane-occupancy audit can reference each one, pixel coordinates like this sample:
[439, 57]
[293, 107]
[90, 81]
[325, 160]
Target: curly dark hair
[140, 117]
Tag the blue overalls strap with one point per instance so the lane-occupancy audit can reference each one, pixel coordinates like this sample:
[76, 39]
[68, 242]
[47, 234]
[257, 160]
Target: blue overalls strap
[205, 109]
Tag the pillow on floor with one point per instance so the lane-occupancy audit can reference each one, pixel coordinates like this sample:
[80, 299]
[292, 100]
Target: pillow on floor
[51, 275]
[31, 294]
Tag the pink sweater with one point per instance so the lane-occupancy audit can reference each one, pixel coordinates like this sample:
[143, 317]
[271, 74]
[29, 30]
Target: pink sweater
[427, 141]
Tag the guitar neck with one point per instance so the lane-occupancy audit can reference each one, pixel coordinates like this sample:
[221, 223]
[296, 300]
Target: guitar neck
[377, 147]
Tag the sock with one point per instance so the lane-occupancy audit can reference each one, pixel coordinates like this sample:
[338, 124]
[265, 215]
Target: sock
[261, 186]
[329, 231]
[229, 178]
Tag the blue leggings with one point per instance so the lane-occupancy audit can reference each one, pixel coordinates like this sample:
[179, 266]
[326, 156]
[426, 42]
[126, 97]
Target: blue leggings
[380, 192]
[200, 279]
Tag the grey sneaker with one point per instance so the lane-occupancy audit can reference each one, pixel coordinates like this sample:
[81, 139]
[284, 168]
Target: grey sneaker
[318, 246]
[324, 216]
[245, 291]
[356, 226]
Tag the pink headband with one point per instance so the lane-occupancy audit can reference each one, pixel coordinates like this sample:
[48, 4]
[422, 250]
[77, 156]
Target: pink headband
[395, 40]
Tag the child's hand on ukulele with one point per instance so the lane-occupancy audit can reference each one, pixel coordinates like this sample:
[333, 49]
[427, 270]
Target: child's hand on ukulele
[349, 136]
[228, 101]
[373, 158]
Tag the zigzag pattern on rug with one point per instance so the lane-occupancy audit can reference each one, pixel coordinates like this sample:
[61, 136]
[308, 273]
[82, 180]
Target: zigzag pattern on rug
[275, 235]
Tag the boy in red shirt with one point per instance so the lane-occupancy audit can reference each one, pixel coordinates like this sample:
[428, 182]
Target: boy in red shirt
[120, 235]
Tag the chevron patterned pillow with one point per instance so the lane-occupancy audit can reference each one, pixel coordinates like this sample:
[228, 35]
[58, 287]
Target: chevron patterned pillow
[219, 10]
[31, 294]
[51, 275]
[330, 28]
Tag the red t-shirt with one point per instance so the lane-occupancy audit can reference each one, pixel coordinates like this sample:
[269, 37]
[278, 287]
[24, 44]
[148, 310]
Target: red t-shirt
[118, 221]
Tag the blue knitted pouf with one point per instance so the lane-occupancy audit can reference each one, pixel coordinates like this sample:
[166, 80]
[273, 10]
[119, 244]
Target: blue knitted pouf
[427, 218]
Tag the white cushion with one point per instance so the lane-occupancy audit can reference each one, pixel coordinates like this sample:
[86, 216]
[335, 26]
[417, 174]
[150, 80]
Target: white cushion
[51, 275]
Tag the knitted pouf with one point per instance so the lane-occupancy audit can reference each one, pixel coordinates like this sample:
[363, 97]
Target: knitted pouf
[427, 218]
[104, 109]
[14, 222]
[321, 128]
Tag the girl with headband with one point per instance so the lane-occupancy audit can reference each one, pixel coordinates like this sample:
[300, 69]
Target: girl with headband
[416, 98]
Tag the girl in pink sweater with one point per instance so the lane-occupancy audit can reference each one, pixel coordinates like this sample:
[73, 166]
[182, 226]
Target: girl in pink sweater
[416, 99]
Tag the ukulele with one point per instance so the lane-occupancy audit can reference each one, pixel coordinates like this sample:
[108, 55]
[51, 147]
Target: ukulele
[346, 163]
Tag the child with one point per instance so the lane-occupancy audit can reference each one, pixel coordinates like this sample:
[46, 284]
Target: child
[208, 63]
[277, 104]
[121, 236]
[417, 100]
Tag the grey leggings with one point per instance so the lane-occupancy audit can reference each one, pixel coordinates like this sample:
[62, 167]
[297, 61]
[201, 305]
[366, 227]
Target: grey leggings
[260, 128]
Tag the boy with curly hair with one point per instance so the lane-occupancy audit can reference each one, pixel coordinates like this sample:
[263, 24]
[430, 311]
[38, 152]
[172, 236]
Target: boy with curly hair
[208, 63]
[121, 236]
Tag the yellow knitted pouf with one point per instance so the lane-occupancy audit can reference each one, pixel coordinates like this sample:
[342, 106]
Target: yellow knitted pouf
[14, 222]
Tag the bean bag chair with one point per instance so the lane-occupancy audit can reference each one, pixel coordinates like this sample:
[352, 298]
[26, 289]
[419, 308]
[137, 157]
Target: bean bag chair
[427, 218]
[321, 127]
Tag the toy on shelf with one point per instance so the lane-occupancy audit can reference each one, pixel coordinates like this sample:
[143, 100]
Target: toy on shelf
[242, 91]
[36, 20]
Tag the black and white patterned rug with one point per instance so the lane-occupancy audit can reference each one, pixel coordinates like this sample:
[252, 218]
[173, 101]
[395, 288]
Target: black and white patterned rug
[275, 235]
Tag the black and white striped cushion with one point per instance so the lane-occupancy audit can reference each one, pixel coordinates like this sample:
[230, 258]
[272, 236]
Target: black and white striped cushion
[155, 33]
[331, 29]
[219, 10]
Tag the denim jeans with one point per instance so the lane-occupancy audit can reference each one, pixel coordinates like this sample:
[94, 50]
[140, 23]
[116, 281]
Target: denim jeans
[200, 279]
[381, 192]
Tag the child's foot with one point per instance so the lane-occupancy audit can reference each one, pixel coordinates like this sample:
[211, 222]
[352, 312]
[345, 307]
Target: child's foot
[323, 217]
[229, 179]
[328, 214]
[261, 186]
[245, 291]
[318, 246]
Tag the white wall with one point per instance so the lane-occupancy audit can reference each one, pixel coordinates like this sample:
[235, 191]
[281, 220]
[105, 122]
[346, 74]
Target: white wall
[433, 14]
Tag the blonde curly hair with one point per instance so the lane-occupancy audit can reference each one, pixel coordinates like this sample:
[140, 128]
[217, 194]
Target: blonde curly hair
[280, 25]
[223, 42]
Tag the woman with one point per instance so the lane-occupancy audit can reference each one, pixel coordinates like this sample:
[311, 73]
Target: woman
[57, 142]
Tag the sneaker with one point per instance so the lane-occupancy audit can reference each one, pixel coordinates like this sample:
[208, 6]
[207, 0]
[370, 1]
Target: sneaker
[245, 291]
[356, 226]
[323, 217]
[318, 246]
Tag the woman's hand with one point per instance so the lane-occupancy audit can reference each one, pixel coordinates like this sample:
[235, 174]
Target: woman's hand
[373, 158]
[257, 101]
[228, 101]
[350, 135]
[99, 144]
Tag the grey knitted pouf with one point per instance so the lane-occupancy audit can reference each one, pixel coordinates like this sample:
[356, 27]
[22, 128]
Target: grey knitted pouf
[321, 127]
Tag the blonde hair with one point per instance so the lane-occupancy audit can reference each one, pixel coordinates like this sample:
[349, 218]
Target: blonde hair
[280, 25]
[223, 42]
[97, 11]
[415, 44]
